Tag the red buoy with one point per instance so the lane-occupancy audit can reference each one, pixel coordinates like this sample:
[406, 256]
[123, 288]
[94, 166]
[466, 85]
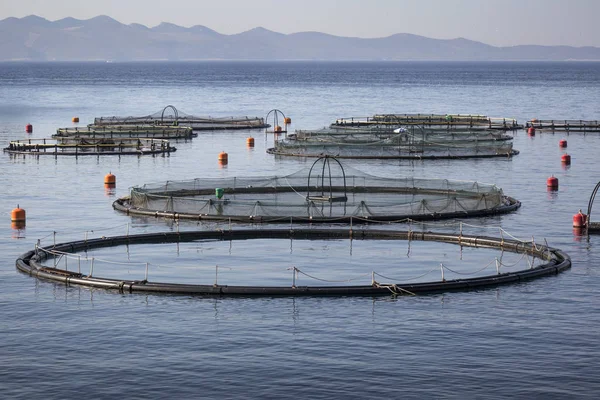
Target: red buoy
[531, 131]
[562, 143]
[579, 220]
[552, 183]
[28, 128]
[565, 159]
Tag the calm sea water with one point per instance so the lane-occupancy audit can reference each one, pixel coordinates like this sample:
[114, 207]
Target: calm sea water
[533, 340]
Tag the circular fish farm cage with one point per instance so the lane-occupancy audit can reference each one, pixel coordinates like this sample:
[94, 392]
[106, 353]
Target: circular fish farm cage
[124, 131]
[499, 261]
[173, 117]
[380, 142]
[435, 121]
[325, 193]
[76, 146]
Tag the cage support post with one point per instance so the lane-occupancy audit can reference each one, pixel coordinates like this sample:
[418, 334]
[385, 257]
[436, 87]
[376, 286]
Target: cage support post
[442, 269]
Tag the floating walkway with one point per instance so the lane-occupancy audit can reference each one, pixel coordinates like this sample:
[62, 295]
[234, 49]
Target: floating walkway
[32, 263]
[431, 121]
[564, 125]
[90, 147]
[171, 116]
[92, 132]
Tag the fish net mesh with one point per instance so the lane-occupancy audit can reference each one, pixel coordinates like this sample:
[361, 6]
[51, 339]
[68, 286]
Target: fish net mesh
[381, 141]
[171, 116]
[317, 193]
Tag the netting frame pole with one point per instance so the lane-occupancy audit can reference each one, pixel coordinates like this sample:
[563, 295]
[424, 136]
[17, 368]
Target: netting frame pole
[91, 268]
[442, 269]
[497, 266]
[146, 275]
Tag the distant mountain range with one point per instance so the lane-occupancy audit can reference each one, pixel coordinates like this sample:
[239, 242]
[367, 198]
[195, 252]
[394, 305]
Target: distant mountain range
[102, 38]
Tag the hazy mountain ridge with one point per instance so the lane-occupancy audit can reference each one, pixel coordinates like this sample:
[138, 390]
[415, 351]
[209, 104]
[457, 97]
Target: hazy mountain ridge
[34, 38]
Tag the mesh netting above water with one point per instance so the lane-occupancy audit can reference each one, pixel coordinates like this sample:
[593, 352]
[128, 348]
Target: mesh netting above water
[171, 116]
[125, 131]
[328, 193]
[379, 142]
[447, 121]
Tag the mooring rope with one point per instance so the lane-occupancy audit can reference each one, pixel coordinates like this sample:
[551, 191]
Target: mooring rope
[468, 273]
[393, 288]
[516, 263]
[406, 279]
[331, 281]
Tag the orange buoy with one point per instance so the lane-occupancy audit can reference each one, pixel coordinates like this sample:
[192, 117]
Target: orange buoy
[28, 128]
[17, 217]
[552, 183]
[277, 129]
[565, 159]
[579, 220]
[75, 119]
[223, 157]
[287, 120]
[250, 142]
[562, 143]
[531, 131]
[110, 180]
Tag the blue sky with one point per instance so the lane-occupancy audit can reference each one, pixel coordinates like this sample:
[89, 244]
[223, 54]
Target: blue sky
[495, 22]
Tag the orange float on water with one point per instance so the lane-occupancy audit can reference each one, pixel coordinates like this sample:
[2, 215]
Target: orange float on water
[565, 159]
[562, 143]
[277, 129]
[110, 180]
[223, 157]
[250, 142]
[287, 120]
[75, 119]
[552, 183]
[18, 217]
[531, 131]
[28, 128]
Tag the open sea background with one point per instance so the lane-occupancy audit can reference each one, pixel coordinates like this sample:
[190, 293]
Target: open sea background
[538, 339]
